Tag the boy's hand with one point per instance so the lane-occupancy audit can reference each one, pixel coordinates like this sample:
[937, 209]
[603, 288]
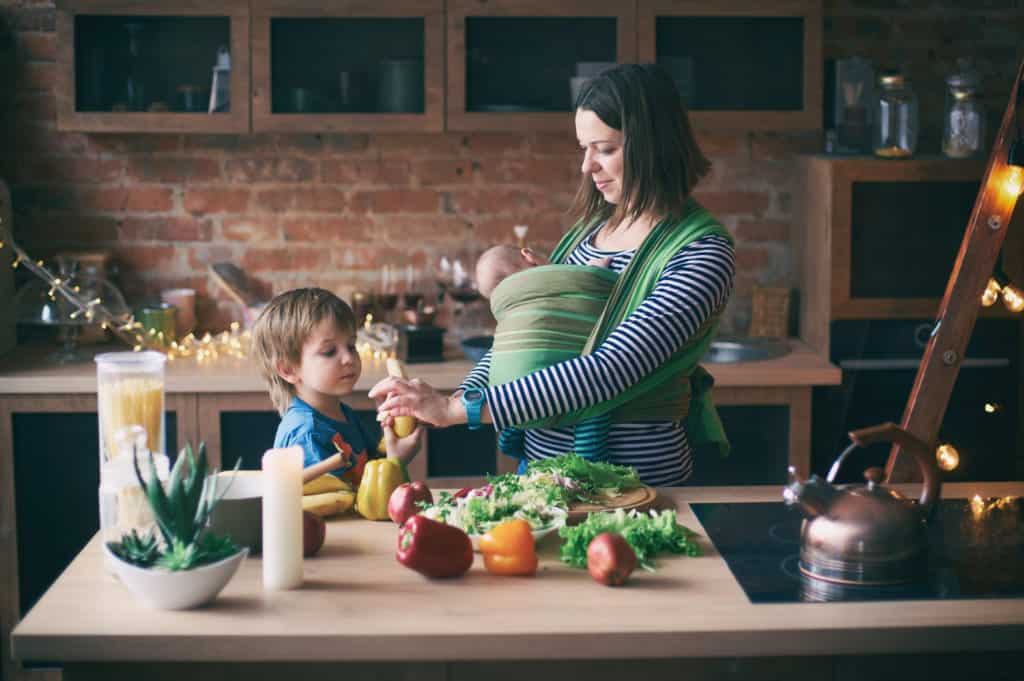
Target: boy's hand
[404, 449]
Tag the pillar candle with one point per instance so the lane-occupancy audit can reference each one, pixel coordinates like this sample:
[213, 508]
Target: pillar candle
[282, 518]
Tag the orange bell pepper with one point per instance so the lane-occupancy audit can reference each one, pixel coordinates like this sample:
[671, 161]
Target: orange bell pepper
[509, 549]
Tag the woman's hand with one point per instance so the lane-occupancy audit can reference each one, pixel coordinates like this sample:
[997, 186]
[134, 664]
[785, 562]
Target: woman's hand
[402, 397]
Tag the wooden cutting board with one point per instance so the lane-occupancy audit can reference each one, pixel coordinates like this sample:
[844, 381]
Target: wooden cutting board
[640, 498]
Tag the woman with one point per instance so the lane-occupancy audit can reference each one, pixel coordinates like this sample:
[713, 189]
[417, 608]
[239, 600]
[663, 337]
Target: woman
[640, 165]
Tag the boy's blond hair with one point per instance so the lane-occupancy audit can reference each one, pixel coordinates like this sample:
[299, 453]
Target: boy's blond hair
[284, 326]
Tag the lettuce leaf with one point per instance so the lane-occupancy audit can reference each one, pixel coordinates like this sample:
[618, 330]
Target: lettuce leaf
[648, 533]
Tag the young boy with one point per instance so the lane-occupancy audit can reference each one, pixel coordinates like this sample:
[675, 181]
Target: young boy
[304, 341]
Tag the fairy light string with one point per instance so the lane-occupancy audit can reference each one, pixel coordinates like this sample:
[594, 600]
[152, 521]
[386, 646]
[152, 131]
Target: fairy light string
[231, 343]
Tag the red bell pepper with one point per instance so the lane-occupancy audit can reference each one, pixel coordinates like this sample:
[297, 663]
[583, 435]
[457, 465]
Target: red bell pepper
[434, 549]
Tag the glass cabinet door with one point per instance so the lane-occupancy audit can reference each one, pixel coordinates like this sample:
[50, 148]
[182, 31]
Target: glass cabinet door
[515, 64]
[348, 66]
[165, 68]
[739, 64]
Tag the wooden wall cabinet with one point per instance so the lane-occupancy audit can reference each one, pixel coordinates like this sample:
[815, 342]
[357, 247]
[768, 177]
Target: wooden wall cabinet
[510, 61]
[175, 51]
[877, 238]
[428, 65]
[348, 65]
[740, 65]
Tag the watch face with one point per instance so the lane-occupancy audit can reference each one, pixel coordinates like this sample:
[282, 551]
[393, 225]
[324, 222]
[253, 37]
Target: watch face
[473, 395]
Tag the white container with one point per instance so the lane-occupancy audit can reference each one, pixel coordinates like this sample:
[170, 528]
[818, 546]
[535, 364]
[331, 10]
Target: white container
[130, 406]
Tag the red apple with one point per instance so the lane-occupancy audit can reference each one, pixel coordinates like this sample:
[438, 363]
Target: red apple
[610, 559]
[314, 531]
[402, 503]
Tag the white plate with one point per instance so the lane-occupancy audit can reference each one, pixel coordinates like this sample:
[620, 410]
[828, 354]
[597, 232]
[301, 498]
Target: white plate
[557, 522]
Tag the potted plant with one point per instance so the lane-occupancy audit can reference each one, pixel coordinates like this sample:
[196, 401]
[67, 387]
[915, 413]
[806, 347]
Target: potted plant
[181, 565]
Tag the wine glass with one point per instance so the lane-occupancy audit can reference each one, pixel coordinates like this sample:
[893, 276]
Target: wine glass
[388, 296]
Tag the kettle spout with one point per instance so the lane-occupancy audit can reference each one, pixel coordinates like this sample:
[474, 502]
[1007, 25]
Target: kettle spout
[812, 497]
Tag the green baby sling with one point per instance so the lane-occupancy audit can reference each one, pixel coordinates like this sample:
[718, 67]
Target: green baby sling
[678, 390]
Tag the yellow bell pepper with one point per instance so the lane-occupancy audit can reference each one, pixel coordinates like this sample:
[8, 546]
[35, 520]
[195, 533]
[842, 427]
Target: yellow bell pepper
[380, 478]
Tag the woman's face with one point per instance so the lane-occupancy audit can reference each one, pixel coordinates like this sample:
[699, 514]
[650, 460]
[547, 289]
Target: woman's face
[602, 154]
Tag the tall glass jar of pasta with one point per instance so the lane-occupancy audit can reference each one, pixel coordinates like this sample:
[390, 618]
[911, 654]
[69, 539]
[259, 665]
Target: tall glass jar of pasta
[130, 403]
[896, 118]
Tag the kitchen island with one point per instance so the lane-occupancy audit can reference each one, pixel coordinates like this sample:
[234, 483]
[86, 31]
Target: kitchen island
[49, 401]
[362, 615]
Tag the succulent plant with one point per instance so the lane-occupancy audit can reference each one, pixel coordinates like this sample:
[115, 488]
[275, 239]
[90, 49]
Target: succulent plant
[141, 550]
[181, 512]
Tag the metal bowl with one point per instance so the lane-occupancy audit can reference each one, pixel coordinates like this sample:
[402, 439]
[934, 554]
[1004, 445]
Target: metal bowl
[733, 349]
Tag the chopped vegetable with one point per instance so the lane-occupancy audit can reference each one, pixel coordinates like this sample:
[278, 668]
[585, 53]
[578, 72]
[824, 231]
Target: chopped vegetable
[647, 533]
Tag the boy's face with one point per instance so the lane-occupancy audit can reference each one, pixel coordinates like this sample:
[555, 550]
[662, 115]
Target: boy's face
[330, 365]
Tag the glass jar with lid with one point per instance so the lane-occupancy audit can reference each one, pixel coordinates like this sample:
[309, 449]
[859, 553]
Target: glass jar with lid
[896, 118]
[963, 134]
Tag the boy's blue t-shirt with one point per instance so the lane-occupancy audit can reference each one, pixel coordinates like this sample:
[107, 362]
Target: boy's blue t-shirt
[304, 426]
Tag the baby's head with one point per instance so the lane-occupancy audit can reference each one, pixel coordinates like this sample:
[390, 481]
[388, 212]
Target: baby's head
[498, 262]
[283, 328]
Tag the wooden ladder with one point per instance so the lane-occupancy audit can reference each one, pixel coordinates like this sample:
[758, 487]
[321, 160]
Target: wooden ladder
[986, 231]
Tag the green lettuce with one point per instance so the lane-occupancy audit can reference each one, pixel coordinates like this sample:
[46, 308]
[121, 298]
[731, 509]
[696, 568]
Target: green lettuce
[647, 533]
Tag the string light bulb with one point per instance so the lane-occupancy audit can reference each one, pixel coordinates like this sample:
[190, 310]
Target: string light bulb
[947, 457]
[1013, 181]
[991, 294]
[1013, 298]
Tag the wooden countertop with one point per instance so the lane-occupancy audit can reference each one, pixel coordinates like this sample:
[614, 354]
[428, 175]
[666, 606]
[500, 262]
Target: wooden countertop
[359, 604]
[25, 371]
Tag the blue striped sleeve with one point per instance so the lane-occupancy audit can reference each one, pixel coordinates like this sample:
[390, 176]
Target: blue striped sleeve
[478, 375]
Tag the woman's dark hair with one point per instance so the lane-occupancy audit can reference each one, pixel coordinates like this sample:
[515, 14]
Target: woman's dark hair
[661, 160]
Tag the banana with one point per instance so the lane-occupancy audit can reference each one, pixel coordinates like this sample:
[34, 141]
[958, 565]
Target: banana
[325, 483]
[328, 503]
[404, 425]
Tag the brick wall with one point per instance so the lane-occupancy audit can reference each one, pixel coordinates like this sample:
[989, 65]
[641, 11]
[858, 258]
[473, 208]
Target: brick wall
[330, 209]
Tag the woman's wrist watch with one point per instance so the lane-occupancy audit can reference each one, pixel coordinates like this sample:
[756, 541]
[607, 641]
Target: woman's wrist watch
[473, 400]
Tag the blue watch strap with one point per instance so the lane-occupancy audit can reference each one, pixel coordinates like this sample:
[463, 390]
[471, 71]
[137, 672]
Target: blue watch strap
[473, 399]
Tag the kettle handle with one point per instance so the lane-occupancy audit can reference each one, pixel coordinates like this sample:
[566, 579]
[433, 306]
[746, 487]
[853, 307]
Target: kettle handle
[890, 432]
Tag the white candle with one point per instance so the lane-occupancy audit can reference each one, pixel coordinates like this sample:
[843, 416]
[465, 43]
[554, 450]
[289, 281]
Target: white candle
[282, 518]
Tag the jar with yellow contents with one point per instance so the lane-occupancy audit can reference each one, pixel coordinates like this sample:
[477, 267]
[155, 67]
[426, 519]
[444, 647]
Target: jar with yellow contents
[896, 118]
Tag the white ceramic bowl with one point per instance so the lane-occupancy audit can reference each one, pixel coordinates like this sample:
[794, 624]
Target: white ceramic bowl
[182, 590]
[557, 522]
[239, 514]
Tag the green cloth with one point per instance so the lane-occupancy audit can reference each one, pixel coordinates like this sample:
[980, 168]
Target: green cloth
[545, 316]
[680, 387]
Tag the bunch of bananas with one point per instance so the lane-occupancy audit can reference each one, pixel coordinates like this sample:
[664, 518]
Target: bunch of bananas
[327, 496]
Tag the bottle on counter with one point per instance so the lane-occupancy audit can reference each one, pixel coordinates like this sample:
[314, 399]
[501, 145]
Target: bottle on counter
[896, 118]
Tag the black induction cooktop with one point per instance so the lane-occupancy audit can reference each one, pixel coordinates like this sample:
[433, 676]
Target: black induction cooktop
[975, 551]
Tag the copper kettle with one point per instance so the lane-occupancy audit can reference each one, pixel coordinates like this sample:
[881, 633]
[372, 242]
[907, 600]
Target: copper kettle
[865, 534]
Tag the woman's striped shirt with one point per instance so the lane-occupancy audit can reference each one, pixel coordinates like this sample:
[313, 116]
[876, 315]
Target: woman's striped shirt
[695, 283]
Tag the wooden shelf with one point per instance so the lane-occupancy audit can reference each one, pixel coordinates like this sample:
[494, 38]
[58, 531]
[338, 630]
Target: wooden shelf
[359, 58]
[537, 76]
[168, 58]
[769, 77]
[840, 194]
